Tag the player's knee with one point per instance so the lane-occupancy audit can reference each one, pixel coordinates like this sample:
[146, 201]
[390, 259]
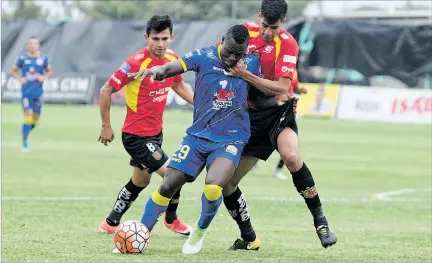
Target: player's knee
[229, 188]
[141, 178]
[166, 190]
[290, 156]
[212, 192]
[28, 119]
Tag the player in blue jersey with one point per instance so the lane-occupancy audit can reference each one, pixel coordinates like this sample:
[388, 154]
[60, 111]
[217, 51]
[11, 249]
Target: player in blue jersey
[220, 128]
[34, 70]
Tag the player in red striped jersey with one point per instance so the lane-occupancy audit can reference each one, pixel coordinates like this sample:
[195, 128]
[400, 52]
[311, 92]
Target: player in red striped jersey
[142, 130]
[273, 122]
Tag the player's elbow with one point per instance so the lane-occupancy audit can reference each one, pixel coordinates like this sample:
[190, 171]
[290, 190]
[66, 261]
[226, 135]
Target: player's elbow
[106, 90]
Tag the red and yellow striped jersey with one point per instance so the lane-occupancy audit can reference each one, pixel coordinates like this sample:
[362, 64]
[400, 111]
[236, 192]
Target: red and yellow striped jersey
[145, 101]
[278, 58]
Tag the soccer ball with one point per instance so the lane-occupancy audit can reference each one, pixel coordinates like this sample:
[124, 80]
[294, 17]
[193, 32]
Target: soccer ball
[131, 237]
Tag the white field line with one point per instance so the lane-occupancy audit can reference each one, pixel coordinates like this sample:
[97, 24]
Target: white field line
[263, 198]
[387, 196]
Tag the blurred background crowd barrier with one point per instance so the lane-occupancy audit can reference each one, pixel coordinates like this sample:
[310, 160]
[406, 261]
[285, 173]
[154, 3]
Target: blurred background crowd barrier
[363, 65]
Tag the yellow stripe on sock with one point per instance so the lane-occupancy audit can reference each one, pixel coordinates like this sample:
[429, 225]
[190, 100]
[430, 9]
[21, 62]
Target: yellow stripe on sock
[159, 199]
[212, 192]
[28, 119]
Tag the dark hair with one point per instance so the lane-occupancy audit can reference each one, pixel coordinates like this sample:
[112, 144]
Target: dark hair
[33, 37]
[159, 23]
[239, 33]
[274, 10]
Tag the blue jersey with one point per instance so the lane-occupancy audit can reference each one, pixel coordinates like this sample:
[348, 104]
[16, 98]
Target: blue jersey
[220, 101]
[31, 68]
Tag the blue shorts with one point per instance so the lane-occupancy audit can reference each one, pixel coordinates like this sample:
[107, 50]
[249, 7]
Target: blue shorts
[194, 153]
[33, 103]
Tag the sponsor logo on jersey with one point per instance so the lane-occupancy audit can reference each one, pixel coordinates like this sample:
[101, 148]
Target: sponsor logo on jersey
[268, 49]
[284, 36]
[125, 67]
[223, 97]
[290, 59]
[139, 56]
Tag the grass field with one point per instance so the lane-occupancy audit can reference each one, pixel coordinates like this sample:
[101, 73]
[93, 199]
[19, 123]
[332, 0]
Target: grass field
[374, 179]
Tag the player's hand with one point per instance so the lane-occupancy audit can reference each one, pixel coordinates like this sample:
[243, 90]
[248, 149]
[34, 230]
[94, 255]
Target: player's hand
[41, 78]
[303, 91]
[23, 81]
[106, 136]
[281, 99]
[145, 73]
[238, 70]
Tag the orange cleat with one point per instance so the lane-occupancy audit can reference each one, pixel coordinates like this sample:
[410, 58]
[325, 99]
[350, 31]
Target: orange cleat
[179, 227]
[104, 227]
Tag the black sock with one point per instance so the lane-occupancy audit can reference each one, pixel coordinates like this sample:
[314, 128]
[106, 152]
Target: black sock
[171, 212]
[280, 164]
[237, 207]
[32, 126]
[125, 198]
[305, 185]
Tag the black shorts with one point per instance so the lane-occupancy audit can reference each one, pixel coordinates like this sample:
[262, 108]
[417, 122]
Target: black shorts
[146, 153]
[266, 125]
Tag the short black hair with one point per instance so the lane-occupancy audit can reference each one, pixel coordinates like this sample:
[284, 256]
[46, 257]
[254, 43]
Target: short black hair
[159, 23]
[33, 37]
[274, 10]
[239, 33]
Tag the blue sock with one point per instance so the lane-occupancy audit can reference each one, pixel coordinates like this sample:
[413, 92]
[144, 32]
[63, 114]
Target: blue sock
[156, 205]
[26, 128]
[210, 201]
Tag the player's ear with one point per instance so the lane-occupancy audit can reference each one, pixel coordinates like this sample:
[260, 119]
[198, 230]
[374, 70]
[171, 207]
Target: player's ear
[284, 20]
[259, 15]
[146, 37]
[223, 39]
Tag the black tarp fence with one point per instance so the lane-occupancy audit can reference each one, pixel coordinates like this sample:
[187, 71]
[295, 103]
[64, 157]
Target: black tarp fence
[97, 48]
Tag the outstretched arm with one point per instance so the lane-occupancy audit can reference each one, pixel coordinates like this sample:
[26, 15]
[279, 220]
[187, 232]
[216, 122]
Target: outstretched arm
[171, 69]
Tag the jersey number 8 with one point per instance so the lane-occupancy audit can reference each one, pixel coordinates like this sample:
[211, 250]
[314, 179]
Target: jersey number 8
[181, 152]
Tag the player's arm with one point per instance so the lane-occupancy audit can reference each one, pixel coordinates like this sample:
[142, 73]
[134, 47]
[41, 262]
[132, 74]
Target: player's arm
[192, 61]
[271, 87]
[114, 84]
[159, 73]
[284, 71]
[15, 71]
[105, 104]
[48, 71]
[184, 91]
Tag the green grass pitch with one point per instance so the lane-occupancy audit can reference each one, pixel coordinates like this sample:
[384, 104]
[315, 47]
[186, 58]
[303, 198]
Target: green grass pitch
[374, 180]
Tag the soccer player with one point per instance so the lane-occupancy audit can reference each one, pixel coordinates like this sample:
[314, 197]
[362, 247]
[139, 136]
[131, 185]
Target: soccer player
[273, 127]
[142, 130]
[35, 69]
[220, 128]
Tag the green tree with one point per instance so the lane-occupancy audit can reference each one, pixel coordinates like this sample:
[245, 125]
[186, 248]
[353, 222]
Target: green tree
[181, 9]
[24, 10]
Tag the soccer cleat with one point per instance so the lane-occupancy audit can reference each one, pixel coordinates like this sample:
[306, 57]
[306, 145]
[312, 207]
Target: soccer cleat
[280, 175]
[104, 227]
[254, 169]
[240, 244]
[25, 147]
[194, 243]
[326, 236]
[178, 226]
